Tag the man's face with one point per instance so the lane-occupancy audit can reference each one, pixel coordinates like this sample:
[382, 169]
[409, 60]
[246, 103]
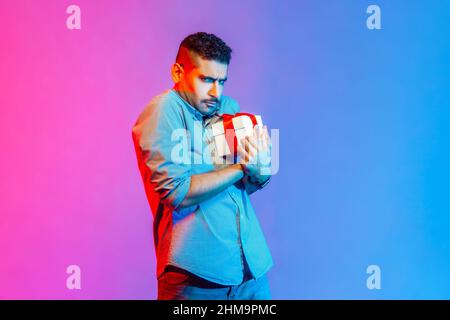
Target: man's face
[201, 82]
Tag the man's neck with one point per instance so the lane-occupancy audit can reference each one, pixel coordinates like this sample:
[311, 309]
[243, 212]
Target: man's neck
[181, 93]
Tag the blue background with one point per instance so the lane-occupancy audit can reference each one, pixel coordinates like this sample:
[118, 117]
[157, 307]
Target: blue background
[363, 117]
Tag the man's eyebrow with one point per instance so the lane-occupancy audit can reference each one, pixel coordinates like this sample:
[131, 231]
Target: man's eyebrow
[211, 78]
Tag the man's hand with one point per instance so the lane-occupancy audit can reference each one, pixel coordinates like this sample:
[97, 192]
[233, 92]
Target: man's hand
[255, 154]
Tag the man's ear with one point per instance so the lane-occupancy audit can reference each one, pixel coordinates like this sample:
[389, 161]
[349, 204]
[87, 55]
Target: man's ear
[177, 72]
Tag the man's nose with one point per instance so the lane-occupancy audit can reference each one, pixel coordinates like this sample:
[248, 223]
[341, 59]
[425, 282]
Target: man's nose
[214, 92]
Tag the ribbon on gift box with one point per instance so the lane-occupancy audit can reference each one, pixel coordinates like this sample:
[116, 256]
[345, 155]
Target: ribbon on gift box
[229, 129]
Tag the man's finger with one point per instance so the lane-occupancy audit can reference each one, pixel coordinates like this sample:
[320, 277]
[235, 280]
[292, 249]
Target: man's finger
[268, 141]
[253, 142]
[266, 138]
[261, 138]
[251, 151]
[255, 132]
[242, 153]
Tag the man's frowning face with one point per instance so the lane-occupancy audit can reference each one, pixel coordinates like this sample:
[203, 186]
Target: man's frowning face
[199, 81]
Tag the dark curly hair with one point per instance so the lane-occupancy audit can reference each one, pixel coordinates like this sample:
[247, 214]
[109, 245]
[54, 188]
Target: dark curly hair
[208, 46]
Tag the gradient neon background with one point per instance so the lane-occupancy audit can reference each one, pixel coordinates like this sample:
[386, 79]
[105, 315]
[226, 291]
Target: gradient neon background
[364, 128]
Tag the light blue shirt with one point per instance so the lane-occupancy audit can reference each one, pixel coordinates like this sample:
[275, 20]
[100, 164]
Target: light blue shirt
[208, 239]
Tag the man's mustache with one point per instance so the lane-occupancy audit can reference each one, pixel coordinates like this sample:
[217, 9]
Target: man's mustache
[213, 100]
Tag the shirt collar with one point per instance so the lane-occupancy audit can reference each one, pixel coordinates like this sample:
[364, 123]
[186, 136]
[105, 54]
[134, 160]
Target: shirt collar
[195, 113]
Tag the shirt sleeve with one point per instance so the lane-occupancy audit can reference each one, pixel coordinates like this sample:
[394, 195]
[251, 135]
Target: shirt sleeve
[168, 176]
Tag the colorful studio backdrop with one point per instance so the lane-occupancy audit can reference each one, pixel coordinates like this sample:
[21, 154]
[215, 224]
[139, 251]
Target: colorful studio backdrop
[359, 91]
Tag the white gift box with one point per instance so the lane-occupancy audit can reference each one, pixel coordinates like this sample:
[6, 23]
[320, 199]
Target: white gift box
[243, 127]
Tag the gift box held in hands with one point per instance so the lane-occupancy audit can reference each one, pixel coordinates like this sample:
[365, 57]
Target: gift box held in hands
[231, 130]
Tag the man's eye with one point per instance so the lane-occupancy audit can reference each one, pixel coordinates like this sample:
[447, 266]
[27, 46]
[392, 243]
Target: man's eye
[207, 80]
[222, 82]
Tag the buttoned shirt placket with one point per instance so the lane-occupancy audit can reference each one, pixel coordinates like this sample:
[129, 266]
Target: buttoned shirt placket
[209, 140]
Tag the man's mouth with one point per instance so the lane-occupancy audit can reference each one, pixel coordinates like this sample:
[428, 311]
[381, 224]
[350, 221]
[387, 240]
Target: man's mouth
[211, 104]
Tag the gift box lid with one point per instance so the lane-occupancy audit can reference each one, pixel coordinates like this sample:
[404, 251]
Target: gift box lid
[245, 122]
[239, 122]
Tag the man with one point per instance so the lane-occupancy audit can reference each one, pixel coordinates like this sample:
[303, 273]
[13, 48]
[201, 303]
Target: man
[208, 241]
